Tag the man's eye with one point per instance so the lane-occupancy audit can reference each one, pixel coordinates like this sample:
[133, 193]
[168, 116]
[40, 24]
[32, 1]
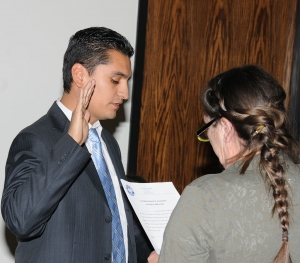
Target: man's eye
[115, 81]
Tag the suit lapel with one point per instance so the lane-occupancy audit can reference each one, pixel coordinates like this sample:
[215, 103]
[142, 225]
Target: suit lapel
[58, 118]
[94, 177]
[113, 151]
[113, 154]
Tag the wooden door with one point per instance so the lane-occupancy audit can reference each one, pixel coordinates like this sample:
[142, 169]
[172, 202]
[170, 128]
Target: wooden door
[186, 43]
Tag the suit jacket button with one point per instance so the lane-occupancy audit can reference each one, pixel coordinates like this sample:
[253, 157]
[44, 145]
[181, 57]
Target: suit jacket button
[108, 219]
[107, 257]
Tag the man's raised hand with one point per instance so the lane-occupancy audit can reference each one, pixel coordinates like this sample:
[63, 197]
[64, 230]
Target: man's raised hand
[79, 128]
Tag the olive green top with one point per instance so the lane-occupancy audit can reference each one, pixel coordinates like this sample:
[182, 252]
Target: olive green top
[227, 217]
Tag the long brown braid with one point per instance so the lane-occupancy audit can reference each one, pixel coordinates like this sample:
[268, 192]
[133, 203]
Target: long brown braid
[252, 100]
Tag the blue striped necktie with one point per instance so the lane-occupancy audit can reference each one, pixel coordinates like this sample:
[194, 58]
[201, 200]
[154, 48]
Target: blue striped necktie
[118, 248]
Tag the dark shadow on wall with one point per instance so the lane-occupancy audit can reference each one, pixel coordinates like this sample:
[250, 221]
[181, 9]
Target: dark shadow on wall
[294, 107]
[138, 75]
[11, 241]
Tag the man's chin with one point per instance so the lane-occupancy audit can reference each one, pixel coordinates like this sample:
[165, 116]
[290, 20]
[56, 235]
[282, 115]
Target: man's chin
[110, 116]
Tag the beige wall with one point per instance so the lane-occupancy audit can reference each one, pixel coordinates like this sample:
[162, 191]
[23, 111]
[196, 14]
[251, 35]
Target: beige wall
[34, 37]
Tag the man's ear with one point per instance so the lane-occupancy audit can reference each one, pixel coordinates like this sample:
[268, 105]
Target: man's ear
[228, 129]
[79, 75]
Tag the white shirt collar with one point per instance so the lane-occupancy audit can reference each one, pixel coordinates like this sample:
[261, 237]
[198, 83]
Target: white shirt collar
[68, 114]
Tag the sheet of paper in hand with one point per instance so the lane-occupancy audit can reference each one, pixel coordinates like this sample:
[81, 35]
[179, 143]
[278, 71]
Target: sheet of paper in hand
[153, 204]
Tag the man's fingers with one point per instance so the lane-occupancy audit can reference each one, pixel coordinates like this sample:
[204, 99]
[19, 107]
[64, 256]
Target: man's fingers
[80, 100]
[87, 116]
[88, 92]
[85, 90]
[78, 129]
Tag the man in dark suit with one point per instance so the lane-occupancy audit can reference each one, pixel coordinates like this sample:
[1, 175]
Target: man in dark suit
[54, 199]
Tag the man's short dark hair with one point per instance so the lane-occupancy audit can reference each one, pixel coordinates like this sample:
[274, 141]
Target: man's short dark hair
[90, 47]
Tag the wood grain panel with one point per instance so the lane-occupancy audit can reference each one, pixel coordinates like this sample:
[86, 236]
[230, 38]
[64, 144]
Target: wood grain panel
[188, 42]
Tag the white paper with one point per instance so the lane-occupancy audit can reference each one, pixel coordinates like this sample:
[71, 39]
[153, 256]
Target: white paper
[153, 204]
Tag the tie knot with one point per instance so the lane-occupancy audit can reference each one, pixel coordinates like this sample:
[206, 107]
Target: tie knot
[93, 135]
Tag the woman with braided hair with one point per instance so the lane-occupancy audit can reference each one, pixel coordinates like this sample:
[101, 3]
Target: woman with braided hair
[251, 211]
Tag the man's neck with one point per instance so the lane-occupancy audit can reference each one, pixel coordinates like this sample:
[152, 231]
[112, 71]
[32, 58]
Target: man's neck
[69, 100]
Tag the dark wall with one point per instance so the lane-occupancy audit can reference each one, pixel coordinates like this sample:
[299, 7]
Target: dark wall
[294, 107]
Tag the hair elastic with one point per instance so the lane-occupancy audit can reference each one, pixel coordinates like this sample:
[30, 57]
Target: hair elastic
[285, 235]
[258, 130]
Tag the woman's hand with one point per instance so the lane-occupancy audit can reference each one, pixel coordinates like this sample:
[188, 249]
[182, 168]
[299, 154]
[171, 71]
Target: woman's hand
[153, 257]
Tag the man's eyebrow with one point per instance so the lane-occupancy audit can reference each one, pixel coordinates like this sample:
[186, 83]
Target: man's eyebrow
[119, 73]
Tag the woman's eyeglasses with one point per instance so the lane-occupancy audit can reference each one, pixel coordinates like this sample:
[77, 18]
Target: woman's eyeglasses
[202, 132]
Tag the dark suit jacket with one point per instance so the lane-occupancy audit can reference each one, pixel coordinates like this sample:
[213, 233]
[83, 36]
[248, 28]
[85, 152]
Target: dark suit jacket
[53, 200]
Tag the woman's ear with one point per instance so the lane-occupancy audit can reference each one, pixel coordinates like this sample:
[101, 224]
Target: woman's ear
[229, 131]
[79, 74]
